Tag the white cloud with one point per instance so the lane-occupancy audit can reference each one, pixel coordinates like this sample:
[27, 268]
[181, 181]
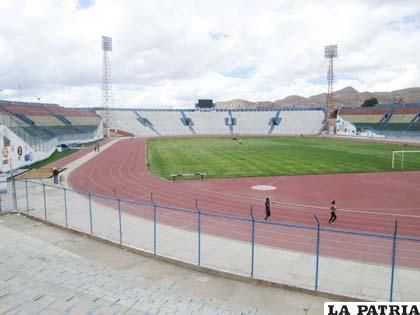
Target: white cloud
[173, 52]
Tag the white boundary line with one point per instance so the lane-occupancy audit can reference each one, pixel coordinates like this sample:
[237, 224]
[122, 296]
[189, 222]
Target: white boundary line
[277, 179]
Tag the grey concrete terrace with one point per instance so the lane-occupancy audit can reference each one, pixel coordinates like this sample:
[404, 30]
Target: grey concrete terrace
[45, 270]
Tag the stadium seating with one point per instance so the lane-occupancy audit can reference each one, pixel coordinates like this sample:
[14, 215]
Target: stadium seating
[49, 121]
[167, 123]
[204, 123]
[127, 120]
[76, 117]
[217, 122]
[36, 122]
[392, 121]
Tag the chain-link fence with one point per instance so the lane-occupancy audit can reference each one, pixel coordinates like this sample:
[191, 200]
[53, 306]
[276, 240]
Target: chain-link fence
[364, 265]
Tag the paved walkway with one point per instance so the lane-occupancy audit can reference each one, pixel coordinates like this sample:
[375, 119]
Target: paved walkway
[74, 156]
[44, 270]
[75, 160]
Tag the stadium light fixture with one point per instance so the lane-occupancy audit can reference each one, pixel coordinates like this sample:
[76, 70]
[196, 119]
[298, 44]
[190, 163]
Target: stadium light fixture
[106, 43]
[331, 51]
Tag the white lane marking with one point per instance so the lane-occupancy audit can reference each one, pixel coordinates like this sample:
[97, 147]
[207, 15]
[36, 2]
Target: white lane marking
[320, 207]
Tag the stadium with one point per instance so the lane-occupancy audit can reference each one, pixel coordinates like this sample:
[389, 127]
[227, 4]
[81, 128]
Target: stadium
[208, 208]
[201, 176]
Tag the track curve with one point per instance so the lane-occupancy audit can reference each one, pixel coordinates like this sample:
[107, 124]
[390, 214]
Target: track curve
[366, 203]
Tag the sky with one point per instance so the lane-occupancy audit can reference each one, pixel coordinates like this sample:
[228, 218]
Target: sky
[170, 53]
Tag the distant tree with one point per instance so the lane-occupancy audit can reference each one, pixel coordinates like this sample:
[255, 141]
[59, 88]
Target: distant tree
[370, 102]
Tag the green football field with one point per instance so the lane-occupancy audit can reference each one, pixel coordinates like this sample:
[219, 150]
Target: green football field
[227, 157]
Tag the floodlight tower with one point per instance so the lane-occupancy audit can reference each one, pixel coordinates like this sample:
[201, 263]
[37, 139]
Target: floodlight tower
[106, 80]
[330, 54]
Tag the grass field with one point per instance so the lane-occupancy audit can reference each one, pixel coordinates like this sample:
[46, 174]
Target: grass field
[226, 157]
[54, 157]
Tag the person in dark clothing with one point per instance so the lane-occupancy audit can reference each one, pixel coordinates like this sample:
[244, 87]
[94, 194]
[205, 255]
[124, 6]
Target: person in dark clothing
[267, 208]
[333, 208]
[55, 175]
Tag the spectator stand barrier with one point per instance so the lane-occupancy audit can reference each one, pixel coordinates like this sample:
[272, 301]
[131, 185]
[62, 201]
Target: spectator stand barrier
[344, 262]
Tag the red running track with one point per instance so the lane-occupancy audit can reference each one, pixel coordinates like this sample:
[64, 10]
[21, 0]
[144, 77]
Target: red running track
[366, 203]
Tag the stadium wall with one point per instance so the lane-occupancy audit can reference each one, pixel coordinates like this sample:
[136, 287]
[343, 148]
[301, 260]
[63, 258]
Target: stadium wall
[15, 153]
[158, 122]
[344, 127]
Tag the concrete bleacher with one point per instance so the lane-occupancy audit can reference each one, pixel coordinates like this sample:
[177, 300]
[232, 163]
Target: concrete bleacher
[76, 117]
[46, 120]
[128, 120]
[49, 114]
[414, 127]
[29, 110]
[400, 118]
[306, 122]
[168, 123]
[204, 123]
[37, 122]
[393, 121]
[151, 123]
[83, 121]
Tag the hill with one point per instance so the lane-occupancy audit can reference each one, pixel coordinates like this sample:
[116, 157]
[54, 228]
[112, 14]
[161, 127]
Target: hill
[348, 96]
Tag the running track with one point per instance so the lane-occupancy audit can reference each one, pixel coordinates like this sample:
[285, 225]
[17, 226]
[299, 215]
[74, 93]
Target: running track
[366, 203]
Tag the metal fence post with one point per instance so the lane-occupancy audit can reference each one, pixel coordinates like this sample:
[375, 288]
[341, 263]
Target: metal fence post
[318, 239]
[65, 206]
[394, 248]
[90, 213]
[45, 202]
[27, 196]
[119, 219]
[252, 243]
[14, 193]
[154, 228]
[199, 232]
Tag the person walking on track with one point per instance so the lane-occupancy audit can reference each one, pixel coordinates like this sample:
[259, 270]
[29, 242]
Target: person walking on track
[333, 208]
[55, 175]
[267, 208]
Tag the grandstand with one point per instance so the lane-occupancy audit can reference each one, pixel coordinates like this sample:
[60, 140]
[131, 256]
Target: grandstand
[48, 121]
[40, 127]
[178, 122]
[386, 120]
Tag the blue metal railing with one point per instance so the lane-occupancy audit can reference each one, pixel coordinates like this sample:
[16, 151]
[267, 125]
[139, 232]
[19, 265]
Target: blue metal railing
[57, 204]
